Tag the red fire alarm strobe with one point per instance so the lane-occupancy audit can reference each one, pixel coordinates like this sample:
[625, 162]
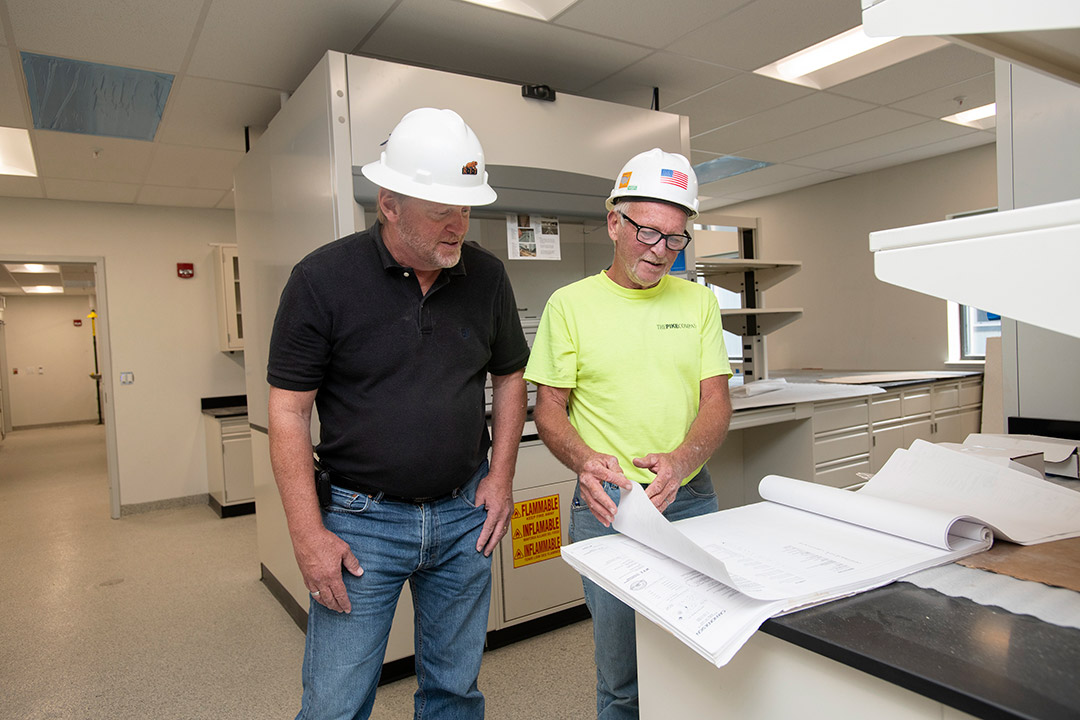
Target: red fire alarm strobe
[78, 322]
[185, 270]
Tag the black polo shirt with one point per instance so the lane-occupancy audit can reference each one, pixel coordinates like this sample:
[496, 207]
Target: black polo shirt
[400, 376]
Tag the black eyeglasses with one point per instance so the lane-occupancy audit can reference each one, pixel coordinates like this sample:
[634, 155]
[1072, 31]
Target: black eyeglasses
[651, 236]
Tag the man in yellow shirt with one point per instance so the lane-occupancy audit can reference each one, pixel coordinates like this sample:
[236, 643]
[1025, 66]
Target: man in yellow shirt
[632, 378]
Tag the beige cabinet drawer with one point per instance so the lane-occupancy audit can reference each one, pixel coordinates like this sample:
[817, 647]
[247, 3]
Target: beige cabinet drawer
[917, 401]
[841, 414]
[845, 445]
[842, 474]
[945, 396]
[885, 407]
[971, 393]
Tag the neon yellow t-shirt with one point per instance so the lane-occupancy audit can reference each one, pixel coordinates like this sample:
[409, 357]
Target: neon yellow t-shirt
[633, 360]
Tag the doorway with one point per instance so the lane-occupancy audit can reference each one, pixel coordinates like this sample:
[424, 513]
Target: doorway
[25, 276]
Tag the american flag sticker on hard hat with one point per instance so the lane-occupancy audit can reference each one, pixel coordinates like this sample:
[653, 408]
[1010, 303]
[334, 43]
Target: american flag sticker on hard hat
[625, 179]
[673, 177]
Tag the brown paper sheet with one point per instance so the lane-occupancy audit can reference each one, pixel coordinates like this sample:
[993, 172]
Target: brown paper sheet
[1053, 563]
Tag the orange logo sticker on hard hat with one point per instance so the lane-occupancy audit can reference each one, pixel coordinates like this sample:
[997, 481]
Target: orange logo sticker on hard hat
[469, 169]
[625, 179]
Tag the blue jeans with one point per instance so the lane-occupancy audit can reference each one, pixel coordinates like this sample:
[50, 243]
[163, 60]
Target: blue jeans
[613, 621]
[433, 547]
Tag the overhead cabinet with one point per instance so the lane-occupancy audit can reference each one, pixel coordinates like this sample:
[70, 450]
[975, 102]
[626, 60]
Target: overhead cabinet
[230, 310]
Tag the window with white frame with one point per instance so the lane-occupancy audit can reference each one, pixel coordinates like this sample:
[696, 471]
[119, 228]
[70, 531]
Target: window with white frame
[969, 327]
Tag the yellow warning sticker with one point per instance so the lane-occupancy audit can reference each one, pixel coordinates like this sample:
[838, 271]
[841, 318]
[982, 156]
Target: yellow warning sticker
[537, 530]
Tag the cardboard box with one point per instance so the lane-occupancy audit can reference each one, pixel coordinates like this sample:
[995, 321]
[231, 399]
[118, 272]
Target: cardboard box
[1059, 456]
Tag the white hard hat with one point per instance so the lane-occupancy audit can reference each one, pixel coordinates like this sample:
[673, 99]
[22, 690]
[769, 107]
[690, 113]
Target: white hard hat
[657, 175]
[433, 155]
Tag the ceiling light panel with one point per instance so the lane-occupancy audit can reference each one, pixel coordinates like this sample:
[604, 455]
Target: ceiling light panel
[16, 153]
[844, 57]
[980, 118]
[539, 9]
[31, 268]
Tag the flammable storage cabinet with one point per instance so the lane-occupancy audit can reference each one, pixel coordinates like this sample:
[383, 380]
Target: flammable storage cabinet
[300, 187]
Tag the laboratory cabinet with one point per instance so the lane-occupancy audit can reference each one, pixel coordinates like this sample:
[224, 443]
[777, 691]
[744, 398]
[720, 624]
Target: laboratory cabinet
[229, 308]
[533, 589]
[839, 442]
[229, 472]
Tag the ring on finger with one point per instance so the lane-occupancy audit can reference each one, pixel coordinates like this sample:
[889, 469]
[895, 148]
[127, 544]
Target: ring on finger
[315, 593]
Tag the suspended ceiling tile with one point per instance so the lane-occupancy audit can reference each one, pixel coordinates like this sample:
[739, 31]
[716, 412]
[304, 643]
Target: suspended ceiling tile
[917, 76]
[128, 33]
[19, 186]
[915, 136]
[179, 196]
[677, 78]
[276, 43]
[848, 130]
[804, 113]
[89, 191]
[72, 156]
[942, 102]
[735, 99]
[480, 41]
[192, 167]
[766, 30]
[13, 111]
[951, 145]
[213, 113]
[637, 21]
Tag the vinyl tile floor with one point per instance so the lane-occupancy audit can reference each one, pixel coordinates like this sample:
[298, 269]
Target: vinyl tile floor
[162, 614]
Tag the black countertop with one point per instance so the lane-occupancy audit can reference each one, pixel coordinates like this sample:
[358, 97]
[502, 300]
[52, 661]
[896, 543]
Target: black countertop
[981, 660]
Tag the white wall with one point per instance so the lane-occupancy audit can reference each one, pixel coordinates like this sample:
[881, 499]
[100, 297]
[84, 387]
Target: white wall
[851, 320]
[163, 329]
[41, 335]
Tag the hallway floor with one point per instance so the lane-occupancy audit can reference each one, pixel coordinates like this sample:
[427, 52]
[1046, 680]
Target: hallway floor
[162, 614]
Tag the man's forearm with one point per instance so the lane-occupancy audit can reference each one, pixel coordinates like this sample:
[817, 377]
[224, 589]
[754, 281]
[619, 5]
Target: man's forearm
[291, 461]
[508, 410]
[561, 438]
[709, 428]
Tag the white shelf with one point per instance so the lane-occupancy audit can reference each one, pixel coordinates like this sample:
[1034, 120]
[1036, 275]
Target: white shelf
[768, 319]
[1021, 263]
[729, 273]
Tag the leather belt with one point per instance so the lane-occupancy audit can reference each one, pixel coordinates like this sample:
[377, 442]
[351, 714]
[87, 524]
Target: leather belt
[348, 483]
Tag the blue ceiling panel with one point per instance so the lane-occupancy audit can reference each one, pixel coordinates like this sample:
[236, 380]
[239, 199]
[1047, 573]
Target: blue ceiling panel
[726, 166]
[93, 99]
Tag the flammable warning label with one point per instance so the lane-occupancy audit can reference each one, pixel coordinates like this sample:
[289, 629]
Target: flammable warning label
[537, 530]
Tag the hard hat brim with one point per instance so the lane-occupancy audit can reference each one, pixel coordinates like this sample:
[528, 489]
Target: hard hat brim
[390, 179]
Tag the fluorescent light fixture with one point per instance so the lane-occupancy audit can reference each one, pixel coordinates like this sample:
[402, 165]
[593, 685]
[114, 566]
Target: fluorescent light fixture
[16, 153]
[43, 289]
[980, 118]
[828, 52]
[846, 56]
[538, 9]
[31, 268]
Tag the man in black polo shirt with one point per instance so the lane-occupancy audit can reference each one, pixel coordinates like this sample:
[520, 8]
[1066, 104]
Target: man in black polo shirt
[390, 334]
